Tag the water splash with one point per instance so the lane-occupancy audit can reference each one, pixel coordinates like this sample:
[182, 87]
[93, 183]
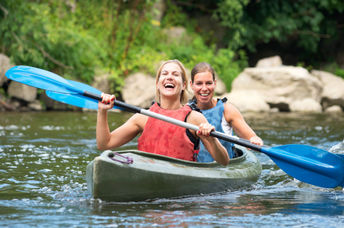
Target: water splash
[338, 148]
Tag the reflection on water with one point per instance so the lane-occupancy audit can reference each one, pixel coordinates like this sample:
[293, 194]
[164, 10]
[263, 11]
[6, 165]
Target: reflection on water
[44, 157]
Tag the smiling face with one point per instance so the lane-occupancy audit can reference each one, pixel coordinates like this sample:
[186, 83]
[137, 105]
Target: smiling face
[203, 87]
[170, 81]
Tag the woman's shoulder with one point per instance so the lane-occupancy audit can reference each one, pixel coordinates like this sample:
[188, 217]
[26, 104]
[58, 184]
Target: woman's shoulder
[228, 106]
[196, 117]
[139, 120]
[231, 112]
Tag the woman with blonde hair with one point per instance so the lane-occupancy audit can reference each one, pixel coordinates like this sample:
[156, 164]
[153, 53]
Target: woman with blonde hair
[157, 136]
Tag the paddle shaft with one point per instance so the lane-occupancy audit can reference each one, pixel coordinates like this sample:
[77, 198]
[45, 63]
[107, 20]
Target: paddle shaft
[134, 109]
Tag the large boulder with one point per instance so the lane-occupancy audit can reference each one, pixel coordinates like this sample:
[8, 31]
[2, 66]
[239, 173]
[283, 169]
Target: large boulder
[333, 89]
[286, 88]
[22, 91]
[248, 101]
[139, 90]
[305, 105]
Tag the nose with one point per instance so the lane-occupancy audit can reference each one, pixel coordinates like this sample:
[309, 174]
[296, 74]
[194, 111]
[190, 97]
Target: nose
[169, 76]
[203, 86]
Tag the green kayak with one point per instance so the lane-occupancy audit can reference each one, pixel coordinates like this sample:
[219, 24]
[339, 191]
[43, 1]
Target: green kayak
[133, 175]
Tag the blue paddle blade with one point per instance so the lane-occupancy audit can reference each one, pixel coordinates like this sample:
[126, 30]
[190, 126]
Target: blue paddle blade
[77, 99]
[73, 99]
[84, 87]
[39, 78]
[307, 164]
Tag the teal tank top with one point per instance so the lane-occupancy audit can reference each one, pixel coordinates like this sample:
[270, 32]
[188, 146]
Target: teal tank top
[216, 118]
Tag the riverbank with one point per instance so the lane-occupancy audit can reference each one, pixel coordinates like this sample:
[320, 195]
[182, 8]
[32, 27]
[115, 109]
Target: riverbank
[270, 86]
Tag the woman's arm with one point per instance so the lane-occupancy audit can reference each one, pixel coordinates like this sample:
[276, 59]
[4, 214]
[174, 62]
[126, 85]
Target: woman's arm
[240, 127]
[213, 145]
[121, 135]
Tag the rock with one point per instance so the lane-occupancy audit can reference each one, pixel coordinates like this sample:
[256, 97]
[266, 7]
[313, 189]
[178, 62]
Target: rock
[102, 83]
[305, 105]
[51, 104]
[274, 61]
[139, 90]
[220, 86]
[4, 66]
[333, 89]
[280, 86]
[35, 105]
[22, 92]
[175, 34]
[15, 104]
[248, 101]
[334, 108]
[158, 10]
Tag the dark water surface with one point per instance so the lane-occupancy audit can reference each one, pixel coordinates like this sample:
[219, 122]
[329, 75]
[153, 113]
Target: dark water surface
[42, 178]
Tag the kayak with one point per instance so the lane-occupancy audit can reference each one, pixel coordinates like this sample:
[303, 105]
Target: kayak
[133, 175]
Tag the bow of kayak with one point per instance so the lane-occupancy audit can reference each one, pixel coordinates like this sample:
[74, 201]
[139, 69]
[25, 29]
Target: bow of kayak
[133, 175]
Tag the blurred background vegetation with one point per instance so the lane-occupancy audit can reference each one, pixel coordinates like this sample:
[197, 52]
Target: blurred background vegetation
[77, 39]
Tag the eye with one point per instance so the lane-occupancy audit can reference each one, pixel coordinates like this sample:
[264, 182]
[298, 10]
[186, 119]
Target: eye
[176, 73]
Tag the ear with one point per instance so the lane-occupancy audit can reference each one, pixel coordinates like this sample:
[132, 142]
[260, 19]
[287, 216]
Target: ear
[184, 86]
[215, 82]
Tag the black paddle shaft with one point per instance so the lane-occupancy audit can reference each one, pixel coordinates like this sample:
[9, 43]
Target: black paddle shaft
[241, 142]
[127, 107]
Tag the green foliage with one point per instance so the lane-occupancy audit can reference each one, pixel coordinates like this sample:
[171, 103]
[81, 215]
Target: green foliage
[76, 39]
[126, 35]
[301, 24]
[222, 60]
[226, 67]
[230, 14]
[42, 34]
[334, 68]
[340, 72]
[174, 16]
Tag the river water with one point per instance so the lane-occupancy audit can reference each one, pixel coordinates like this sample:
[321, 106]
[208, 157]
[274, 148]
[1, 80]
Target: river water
[43, 165]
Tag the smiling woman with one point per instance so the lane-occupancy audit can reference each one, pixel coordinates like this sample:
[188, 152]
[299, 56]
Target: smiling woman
[224, 116]
[168, 72]
[157, 136]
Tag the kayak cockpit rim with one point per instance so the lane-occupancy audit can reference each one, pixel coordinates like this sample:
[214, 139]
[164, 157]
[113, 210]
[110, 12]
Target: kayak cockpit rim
[111, 154]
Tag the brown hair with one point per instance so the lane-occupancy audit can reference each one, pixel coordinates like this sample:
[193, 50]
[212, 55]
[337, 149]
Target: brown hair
[183, 96]
[202, 67]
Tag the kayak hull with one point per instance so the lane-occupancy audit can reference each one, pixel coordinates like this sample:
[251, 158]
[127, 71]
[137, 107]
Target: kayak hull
[152, 176]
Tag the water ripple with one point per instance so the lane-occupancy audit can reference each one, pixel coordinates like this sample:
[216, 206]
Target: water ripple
[43, 179]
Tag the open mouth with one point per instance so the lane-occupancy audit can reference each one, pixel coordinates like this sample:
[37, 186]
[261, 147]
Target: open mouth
[204, 94]
[169, 86]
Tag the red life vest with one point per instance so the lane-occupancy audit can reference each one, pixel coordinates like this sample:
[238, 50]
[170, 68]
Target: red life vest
[160, 137]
